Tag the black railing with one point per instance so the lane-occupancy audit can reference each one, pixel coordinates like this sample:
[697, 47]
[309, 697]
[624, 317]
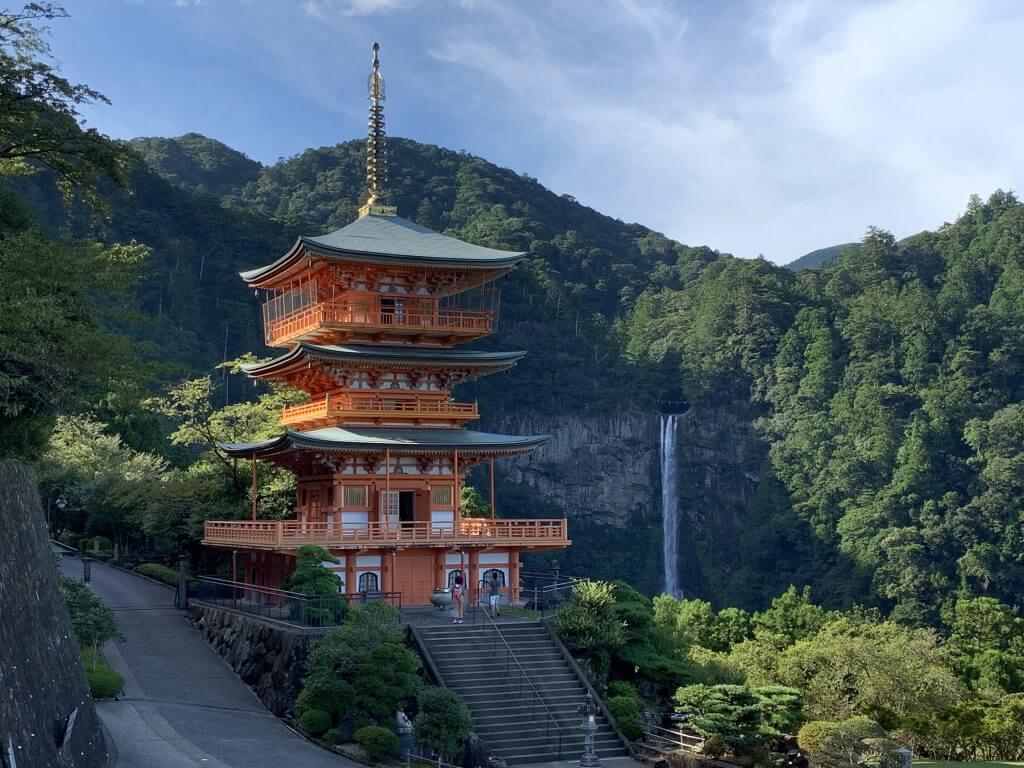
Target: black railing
[546, 593]
[526, 686]
[281, 605]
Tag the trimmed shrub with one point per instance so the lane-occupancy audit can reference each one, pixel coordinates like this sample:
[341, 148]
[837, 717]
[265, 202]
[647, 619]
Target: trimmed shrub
[443, 722]
[328, 692]
[386, 681]
[626, 711]
[622, 688]
[332, 737]
[315, 721]
[90, 544]
[715, 746]
[812, 733]
[159, 572]
[104, 683]
[380, 743]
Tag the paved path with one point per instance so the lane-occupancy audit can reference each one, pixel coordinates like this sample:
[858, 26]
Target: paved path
[183, 707]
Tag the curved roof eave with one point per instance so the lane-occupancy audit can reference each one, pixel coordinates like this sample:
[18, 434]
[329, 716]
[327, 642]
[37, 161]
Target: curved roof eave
[398, 441]
[358, 353]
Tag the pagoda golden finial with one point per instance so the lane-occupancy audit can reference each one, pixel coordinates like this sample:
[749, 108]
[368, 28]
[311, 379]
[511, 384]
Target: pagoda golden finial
[376, 146]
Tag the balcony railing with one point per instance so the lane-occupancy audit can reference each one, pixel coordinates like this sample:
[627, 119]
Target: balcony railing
[288, 534]
[406, 406]
[372, 314]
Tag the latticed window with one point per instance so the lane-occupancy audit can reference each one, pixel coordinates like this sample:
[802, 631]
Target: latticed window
[368, 582]
[355, 495]
[441, 495]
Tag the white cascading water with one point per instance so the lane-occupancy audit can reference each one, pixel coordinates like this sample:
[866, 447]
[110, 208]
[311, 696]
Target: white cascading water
[669, 505]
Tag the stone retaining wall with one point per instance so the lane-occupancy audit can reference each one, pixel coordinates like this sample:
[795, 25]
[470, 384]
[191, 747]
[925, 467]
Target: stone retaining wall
[270, 658]
[42, 681]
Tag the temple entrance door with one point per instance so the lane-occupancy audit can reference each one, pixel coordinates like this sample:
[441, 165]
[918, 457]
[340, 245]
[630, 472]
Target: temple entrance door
[406, 507]
[414, 577]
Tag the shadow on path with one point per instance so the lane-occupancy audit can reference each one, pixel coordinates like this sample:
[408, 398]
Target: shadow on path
[183, 707]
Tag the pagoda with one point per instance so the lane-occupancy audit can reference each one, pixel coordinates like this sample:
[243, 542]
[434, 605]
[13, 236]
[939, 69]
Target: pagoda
[370, 316]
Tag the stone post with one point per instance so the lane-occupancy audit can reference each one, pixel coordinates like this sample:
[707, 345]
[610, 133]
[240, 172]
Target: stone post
[86, 570]
[589, 728]
[181, 596]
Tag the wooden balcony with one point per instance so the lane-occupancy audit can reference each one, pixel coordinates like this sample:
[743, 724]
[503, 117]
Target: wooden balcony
[373, 317]
[405, 407]
[292, 534]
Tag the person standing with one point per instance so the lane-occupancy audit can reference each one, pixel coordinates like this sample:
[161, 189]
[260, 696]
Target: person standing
[458, 600]
[494, 584]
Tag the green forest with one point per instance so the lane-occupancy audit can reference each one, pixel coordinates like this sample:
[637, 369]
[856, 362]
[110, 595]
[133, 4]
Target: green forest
[886, 382]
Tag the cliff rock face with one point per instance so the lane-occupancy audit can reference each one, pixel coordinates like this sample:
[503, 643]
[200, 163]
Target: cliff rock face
[47, 717]
[269, 659]
[601, 470]
[604, 473]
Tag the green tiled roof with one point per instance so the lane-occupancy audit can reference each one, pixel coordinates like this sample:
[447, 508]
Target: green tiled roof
[396, 440]
[359, 353]
[394, 240]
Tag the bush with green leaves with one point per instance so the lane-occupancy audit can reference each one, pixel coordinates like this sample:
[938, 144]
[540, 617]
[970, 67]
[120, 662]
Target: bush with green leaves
[626, 711]
[362, 668]
[327, 605]
[812, 733]
[104, 682]
[622, 688]
[92, 621]
[379, 743]
[161, 573]
[745, 718]
[316, 721]
[588, 623]
[443, 721]
[855, 742]
[386, 681]
[332, 737]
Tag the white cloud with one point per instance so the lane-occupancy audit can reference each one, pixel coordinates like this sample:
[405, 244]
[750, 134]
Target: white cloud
[796, 129]
[329, 8]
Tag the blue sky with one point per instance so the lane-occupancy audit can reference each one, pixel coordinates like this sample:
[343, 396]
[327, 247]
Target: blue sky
[752, 127]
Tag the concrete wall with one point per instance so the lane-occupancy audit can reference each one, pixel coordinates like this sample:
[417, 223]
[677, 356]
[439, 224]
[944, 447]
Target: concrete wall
[41, 677]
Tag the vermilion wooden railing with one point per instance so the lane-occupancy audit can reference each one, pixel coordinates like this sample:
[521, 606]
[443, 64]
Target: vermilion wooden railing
[412, 406]
[370, 315]
[285, 533]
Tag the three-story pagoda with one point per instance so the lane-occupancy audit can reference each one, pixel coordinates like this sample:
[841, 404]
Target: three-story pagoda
[370, 315]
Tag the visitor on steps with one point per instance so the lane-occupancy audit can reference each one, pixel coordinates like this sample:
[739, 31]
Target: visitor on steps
[458, 600]
[494, 583]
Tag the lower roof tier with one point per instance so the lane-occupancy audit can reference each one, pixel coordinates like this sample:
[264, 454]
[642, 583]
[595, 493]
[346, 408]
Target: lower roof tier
[395, 441]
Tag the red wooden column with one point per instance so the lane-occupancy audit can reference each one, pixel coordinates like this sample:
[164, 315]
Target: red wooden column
[439, 568]
[254, 489]
[474, 575]
[490, 461]
[457, 498]
[350, 572]
[513, 576]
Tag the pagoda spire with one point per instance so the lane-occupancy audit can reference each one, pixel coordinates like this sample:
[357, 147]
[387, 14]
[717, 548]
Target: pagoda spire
[376, 146]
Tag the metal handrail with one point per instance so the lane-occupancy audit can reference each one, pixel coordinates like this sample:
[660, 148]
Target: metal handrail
[523, 676]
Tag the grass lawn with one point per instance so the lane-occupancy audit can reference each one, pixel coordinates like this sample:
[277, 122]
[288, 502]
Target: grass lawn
[979, 764]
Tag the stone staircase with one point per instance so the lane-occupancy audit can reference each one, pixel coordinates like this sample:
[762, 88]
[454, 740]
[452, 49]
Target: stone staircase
[473, 660]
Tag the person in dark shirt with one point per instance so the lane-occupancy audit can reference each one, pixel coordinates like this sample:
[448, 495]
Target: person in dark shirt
[494, 584]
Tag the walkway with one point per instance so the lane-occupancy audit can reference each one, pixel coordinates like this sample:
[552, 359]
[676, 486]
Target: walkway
[183, 707]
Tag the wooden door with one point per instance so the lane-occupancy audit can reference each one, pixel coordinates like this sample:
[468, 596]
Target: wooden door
[414, 577]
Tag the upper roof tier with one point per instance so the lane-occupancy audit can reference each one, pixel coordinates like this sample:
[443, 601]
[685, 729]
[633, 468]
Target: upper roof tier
[473, 361]
[386, 240]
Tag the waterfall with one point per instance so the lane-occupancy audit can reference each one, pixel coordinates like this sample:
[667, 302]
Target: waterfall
[669, 505]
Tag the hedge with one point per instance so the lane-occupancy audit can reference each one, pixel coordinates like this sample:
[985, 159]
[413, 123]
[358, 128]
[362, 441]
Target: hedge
[159, 572]
[316, 721]
[104, 683]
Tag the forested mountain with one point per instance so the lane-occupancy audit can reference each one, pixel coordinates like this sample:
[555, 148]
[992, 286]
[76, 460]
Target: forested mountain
[886, 388]
[890, 386]
[821, 257]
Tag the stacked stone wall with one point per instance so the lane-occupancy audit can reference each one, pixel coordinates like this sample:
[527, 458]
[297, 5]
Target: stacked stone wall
[42, 682]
